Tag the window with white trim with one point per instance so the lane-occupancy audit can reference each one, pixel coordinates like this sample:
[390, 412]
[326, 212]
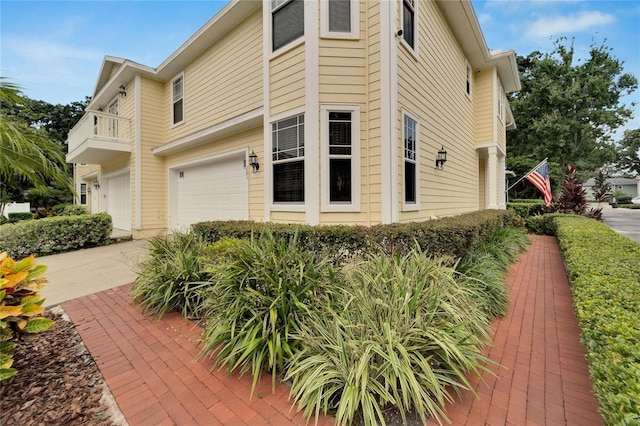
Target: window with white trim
[500, 102]
[411, 155]
[287, 22]
[287, 138]
[177, 99]
[409, 26]
[469, 77]
[83, 194]
[340, 18]
[340, 135]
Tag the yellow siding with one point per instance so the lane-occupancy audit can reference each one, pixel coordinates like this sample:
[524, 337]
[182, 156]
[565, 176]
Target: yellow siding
[153, 186]
[501, 136]
[250, 140]
[433, 89]
[222, 83]
[286, 81]
[483, 106]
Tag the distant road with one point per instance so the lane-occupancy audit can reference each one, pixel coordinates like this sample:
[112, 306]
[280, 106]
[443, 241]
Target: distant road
[623, 221]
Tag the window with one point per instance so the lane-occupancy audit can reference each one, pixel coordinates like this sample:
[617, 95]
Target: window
[177, 99]
[83, 194]
[340, 19]
[112, 123]
[409, 22]
[287, 137]
[500, 102]
[287, 21]
[469, 77]
[411, 157]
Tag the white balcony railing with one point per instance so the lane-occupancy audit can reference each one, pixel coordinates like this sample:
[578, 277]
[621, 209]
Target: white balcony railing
[107, 129]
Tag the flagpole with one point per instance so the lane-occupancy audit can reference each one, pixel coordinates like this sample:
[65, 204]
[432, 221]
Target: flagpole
[527, 174]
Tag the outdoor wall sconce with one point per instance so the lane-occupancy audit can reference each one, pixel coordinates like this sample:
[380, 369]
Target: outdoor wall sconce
[441, 158]
[96, 184]
[123, 90]
[253, 161]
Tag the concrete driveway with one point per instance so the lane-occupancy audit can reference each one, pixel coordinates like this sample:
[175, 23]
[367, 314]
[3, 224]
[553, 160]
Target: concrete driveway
[83, 272]
[623, 221]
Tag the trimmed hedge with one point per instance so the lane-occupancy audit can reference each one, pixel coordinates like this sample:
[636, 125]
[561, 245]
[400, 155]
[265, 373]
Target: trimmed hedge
[17, 217]
[604, 271]
[55, 234]
[453, 236]
[526, 208]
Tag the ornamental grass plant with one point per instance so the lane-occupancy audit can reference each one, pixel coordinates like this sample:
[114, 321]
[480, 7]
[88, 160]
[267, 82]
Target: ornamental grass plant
[400, 335]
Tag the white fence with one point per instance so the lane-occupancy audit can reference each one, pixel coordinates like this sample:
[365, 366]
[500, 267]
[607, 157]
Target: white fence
[15, 208]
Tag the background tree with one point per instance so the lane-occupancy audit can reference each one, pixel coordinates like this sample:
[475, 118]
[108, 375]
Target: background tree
[629, 152]
[601, 187]
[28, 155]
[569, 108]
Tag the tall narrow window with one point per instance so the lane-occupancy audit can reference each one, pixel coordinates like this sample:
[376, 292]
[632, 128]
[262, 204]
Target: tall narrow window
[409, 22]
[469, 76]
[287, 21]
[177, 99]
[500, 96]
[287, 138]
[83, 194]
[340, 152]
[410, 160]
[339, 16]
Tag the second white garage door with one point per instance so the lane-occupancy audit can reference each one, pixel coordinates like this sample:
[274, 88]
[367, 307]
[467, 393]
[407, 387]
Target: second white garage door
[215, 190]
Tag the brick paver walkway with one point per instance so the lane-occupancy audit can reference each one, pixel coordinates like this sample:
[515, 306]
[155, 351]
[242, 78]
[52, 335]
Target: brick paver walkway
[149, 364]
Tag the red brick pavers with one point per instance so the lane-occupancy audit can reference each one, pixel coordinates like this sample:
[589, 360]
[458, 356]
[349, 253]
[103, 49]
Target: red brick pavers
[150, 367]
[544, 376]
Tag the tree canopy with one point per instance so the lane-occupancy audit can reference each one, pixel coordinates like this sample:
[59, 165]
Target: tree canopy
[568, 107]
[629, 152]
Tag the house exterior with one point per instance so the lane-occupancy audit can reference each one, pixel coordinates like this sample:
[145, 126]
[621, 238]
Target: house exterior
[344, 105]
[631, 187]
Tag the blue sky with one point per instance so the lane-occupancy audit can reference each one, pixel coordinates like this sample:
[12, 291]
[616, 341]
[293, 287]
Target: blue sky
[54, 49]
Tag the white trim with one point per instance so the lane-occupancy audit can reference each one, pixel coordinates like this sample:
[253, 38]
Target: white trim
[312, 119]
[354, 34]
[414, 51]
[415, 206]
[468, 78]
[116, 173]
[233, 125]
[500, 100]
[138, 154]
[266, 119]
[355, 204]
[491, 144]
[388, 153]
[173, 101]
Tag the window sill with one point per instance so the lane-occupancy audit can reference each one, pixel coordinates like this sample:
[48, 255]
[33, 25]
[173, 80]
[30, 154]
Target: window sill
[413, 52]
[286, 207]
[341, 208]
[179, 123]
[413, 207]
[340, 36]
[287, 48]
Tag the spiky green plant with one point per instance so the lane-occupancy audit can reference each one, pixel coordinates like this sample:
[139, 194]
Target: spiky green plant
[402, 333]
[173, 277]
[261, 296]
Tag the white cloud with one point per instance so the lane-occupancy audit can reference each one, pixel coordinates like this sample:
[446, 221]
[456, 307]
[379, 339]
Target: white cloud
[484, 18]
[557, 25]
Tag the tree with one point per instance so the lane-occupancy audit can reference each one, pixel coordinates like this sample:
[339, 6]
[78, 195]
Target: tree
[27, 154]
[601, 187]
[568, 108]
[629, 152]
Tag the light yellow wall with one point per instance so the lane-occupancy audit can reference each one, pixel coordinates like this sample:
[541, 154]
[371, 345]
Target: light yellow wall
[433, 88]
[481, 183]
[501, 133]
[249, 140]
[483, 106]
[222, 83]
[286, 81]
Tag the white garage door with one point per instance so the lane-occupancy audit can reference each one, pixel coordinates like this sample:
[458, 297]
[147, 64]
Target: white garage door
[215, 190]
[119, 201]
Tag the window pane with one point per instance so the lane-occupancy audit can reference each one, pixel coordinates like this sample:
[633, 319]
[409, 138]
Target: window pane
[408, 22]
[340, 180]
[177, 111]
[339, 133]
[177, 88]
[288, 182]
[410, 148]
[288, 23]
[409, 182]
[339, 16]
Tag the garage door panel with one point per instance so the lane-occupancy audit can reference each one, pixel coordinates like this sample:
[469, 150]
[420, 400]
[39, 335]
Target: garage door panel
[213, 191]
[119, 201]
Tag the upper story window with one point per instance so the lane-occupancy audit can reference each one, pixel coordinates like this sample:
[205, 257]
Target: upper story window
[287, 22]
[340, 18]
[500, 96]
[411, 156]
[287, 139]
[177, 99]
[469, 77]
[409, 26]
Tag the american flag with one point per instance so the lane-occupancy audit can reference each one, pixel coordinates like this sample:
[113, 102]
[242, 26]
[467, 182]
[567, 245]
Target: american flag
[539, 176]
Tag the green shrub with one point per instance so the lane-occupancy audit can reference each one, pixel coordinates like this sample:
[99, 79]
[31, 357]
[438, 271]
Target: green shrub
[55, 234]
[58, 208]
[3, 219]
[401, 334]
[72, 210]
[621, 197]
[173, 277]
[260, 297]
[17, 217]
[526, 208]
[604, 271]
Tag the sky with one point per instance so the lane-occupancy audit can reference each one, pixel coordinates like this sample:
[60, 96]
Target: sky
[54, 49]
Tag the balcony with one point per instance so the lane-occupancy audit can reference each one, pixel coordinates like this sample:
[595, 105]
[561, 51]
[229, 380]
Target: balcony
[98, 137]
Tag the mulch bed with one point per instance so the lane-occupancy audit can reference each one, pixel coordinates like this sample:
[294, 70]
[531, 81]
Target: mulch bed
[58, 382]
